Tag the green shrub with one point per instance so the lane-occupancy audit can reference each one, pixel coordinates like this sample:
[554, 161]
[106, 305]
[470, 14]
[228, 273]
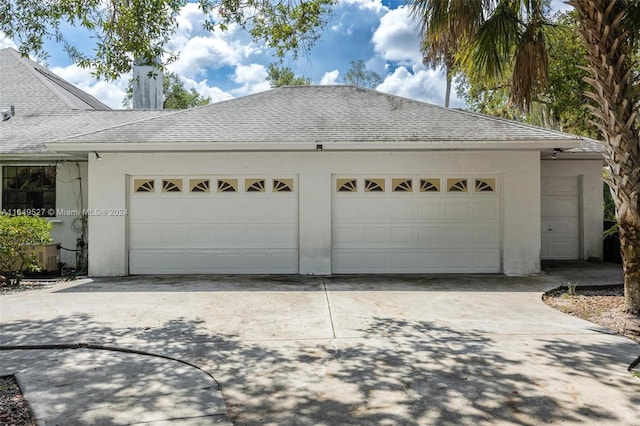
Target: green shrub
[18, 235]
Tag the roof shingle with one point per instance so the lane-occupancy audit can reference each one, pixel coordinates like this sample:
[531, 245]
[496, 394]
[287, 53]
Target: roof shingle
[321, 114]
[34, 90]
[48, 107]
[28, 134]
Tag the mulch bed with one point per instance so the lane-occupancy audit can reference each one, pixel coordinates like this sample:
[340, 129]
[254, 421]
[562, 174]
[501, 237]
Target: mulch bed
[602, 305]
[26, 284]
[13, 408]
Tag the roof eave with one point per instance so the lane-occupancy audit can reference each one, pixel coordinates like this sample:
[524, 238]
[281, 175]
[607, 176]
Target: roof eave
[43, 156]
[515, 145]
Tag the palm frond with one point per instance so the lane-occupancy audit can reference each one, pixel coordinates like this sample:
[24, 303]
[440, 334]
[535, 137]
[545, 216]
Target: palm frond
[494, 42]
[631, 20]
[444, 24]
[530, 69]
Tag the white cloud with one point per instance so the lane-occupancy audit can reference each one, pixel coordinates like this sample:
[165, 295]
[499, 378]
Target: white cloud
[200, 50]
[253, 78]
[110, 93]
[200, 53]
[330, 78]
[6, 42]
[189, 15]
[422, 84]
[397, 38]
[373, 5]
[214, 93]
[250, 73]
[397, 46]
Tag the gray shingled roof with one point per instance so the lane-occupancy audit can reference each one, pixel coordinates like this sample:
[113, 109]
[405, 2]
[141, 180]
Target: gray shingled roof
[321, 114]
[28, 134]
[587, 146]
[50, 110]
[48, 107]
[34, 90]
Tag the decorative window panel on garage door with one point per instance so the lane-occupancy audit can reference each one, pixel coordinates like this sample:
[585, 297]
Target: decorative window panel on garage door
[213, 224]
[416, 224]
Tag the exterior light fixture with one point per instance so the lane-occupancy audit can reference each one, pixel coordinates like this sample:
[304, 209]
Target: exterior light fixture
[555, 153]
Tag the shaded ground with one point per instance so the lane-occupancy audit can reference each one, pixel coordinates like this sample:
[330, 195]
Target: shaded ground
[602, 306]
[13, 408]
[324, 351]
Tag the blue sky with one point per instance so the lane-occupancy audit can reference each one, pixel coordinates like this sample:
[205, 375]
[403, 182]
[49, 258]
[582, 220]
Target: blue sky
[224, 65]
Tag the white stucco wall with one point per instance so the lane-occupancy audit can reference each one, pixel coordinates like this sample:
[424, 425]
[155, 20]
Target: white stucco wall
[519, 171]
[521, 214]
[67, 226]
[591, 208]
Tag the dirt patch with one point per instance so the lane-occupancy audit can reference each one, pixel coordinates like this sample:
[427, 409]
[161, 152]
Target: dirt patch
[603, 306]
[13, 408]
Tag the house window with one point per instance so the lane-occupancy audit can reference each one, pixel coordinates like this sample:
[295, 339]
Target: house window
[456, 185]
[31, 189]
[402, 185]
[374, 185]
[171, 185]
[346, 185]
[485, 185]
[199, 185]
[282, 185]
[144, 185]
[227, 185]
[254, 185]
[429, 185]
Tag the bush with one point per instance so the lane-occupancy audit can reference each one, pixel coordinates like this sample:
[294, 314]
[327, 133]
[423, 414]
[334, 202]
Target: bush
[18, 235]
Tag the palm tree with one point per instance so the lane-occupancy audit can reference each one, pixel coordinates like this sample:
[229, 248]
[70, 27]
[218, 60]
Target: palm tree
[509, 36]
[609, 29]
[444, 27]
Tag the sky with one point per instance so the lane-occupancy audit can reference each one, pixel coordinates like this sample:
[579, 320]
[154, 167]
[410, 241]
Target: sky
[224, 65]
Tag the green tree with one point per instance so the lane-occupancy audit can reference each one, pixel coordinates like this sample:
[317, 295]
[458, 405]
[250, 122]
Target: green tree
[128, 29]
[359, 75]
[561, 105]
[18, 235]
[511, 39]
[177, 97]
[174, 93]
[280, 75]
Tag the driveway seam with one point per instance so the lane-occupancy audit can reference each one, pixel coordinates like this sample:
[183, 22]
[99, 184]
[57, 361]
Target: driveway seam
[326, 295]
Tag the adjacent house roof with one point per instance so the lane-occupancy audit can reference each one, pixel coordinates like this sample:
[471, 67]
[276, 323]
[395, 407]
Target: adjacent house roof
[48, 108]
[34, 90]
[339, 117]
[28, 134]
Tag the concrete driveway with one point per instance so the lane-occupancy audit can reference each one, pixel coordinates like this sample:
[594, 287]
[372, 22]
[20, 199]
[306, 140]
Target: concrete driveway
[388, 350]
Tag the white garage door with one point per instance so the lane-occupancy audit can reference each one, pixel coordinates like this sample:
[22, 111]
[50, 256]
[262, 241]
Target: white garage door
[560, 218]
[213, 224]
[414, 224]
